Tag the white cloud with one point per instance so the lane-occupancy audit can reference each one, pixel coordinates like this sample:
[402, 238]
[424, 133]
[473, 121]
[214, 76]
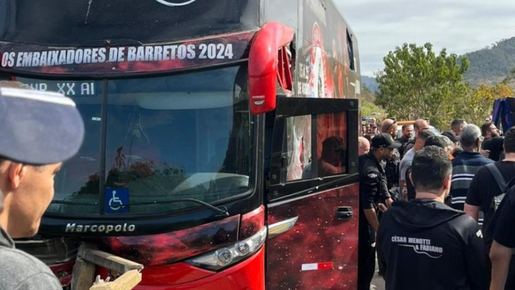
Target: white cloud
[460, 26]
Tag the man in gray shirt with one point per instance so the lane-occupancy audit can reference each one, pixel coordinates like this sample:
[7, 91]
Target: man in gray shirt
[39, 131]
[408, 158]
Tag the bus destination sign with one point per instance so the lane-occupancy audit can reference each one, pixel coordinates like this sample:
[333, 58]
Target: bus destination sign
[125, 59]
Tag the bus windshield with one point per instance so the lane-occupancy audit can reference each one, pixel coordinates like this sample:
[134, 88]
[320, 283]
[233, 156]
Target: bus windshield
[166, 138]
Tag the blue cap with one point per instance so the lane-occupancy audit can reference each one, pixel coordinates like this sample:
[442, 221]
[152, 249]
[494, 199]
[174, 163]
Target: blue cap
[38, 128]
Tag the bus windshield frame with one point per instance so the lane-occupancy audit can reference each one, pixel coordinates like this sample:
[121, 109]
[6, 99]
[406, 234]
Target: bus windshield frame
[93, 23]
[157, 145]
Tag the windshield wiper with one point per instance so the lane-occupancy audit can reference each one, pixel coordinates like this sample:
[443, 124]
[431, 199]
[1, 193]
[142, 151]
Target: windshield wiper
[74, 203]
[222, 210]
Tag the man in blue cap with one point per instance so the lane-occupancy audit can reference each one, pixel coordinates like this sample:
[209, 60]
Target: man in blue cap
[39, 131]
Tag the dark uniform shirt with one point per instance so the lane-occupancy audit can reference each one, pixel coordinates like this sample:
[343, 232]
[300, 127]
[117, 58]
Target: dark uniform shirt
[372, 190]
[391, 170]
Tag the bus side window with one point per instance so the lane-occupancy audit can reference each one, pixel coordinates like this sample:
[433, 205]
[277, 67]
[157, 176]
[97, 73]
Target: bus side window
[332, 143]
[309, 153]
[297, 146]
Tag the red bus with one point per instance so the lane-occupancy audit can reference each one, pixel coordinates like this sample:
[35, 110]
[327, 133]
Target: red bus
[221, 137]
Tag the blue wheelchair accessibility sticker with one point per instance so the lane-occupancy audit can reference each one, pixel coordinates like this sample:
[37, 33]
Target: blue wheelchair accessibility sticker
[116, 200]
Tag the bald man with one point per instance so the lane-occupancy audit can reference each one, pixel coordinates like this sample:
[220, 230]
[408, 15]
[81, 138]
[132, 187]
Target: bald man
[389, 126]
[419, 126]
[363, 146]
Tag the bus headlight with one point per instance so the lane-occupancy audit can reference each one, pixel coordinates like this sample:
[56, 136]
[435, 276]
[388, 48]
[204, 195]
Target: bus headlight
[243, 248]
[224, 256]
[230, 255]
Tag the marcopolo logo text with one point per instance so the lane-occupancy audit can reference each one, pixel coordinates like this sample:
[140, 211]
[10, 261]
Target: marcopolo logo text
[99, 228]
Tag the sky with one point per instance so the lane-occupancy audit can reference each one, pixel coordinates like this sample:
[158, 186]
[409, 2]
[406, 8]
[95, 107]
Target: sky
[460, 26]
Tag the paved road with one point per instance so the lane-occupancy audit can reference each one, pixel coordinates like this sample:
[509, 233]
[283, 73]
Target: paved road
[377, 281]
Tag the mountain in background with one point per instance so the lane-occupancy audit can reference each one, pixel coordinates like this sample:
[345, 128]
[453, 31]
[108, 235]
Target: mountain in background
[491, 65]
[369, 82]
[488, 66]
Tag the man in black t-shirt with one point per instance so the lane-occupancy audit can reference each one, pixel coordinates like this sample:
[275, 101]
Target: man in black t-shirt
[501, 236]
[494, 147]
[484, 187]
[489, 131]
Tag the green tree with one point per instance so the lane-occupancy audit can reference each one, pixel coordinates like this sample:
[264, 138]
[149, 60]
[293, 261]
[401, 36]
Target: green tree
[418, 83]
[478, 103]
[368, 108]
[509, 78]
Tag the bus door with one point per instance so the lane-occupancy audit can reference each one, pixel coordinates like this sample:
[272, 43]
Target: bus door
[312, 197]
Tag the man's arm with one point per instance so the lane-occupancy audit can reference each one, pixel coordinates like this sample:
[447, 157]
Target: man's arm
[371, 216]
[402, 179]
[329, 168]
[485, 153]
[476, 256]
[472, 211]
[370, 185]
[503, 241]
[500, 257]
[403, 176]
[388, 202]
[403, 189]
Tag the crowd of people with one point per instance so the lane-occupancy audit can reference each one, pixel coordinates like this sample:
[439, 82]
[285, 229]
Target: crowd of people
[436, 209]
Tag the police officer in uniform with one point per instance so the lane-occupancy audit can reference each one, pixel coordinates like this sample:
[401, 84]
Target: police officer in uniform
[391, 165]
[391, 170]
[372, 192]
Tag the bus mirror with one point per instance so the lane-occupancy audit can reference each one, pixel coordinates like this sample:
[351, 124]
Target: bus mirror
[264, 66]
